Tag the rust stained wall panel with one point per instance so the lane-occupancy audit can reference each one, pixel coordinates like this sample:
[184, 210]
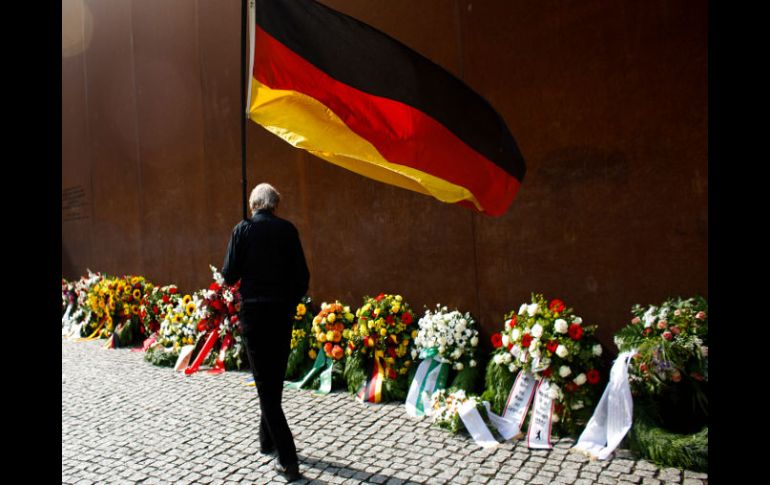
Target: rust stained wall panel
[219, 51]
[116, 230]
[76, 170]
[608, 103]
[171, 142]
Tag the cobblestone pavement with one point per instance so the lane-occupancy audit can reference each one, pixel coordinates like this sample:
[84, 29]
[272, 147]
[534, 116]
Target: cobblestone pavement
[127, 421]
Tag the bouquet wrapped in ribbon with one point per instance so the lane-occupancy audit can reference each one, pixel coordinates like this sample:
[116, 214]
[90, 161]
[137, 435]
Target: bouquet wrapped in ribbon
[379, 348]
[68, 304]
[668, 377]
[179, 329]
[219, 335]
[447, 342]
[299, 355]
[330, 332]
[545, 353]
[82, 317]
[446, 405]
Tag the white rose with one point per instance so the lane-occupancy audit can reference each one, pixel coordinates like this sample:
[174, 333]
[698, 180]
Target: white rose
[561, 351]
[506, 340]
[523, 308]
[560, 325]
[507, 358]
[533, 346]
[515, 334]
[564, 371]
[474, 341]
[577, 320]
[532, 309]
[553, 392]
[472, 363]
[537, 330]
[580, 379]
[498, 358]
[577, 405]
[597, 349]
[459, 366]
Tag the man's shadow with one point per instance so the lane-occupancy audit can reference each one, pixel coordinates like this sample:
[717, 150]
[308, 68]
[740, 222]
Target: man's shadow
[349, 472]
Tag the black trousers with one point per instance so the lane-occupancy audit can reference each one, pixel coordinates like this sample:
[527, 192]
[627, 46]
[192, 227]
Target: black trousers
[266, 331]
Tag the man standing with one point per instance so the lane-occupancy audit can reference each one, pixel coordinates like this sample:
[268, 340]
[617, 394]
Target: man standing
[265, 253]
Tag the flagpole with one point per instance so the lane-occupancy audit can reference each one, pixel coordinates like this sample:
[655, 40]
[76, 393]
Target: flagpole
[244, 30]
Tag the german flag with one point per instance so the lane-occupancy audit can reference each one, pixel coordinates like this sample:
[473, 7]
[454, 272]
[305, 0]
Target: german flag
[355, 97]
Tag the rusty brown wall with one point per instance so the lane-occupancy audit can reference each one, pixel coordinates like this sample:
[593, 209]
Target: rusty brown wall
[607, 99]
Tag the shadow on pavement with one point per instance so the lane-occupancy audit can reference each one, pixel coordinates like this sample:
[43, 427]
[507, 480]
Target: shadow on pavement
[347, 471]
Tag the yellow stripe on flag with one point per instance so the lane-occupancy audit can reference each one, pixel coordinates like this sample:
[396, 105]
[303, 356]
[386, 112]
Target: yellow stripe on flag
[306, 123]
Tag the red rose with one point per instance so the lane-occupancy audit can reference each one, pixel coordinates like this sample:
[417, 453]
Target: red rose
[557, 306]
[406, 318]
[390, 320]
[234, 318]
[497, 340]
[202, 325]
[526, 340]
[575, 331]
[155, 309]
[217, 305]
[143, 314]
[166, 299]
[214, 286]
[552, 345]
[154, 326]
[548, 373]
[392, 352]
[592, 376]
[570, 387]
[380, 296]
[512, 322]
[172, 290]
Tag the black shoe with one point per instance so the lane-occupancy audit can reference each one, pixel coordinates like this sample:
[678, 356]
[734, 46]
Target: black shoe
[291, 472]
[266, 450]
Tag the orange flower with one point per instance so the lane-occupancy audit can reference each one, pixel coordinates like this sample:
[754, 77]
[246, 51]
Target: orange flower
[328, 348]
[337, 336]
[337, 352]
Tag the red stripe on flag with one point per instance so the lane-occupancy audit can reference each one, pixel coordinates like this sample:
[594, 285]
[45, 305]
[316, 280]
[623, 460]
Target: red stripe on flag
[402, 134]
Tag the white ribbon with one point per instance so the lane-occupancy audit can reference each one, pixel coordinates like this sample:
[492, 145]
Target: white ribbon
[519, 398]
[65, 319]
[184, 358]
[507, 427]
[475, 425]
[425, 379]
[612, 417]
[539, 434]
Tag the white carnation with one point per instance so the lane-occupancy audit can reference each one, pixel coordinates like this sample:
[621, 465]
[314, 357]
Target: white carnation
[459, 366]
[564, 371]
[580, 379]
[472, 363]
[560, 325]
[597, 349]
[561, 351]
[507, 358]
[515, 334]
[537, 330]
[506, 340]
[523, 308]
[474, 341]
[532, 309]
[498, 358]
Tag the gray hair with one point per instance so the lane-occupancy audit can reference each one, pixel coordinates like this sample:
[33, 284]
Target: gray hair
[264, 196]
